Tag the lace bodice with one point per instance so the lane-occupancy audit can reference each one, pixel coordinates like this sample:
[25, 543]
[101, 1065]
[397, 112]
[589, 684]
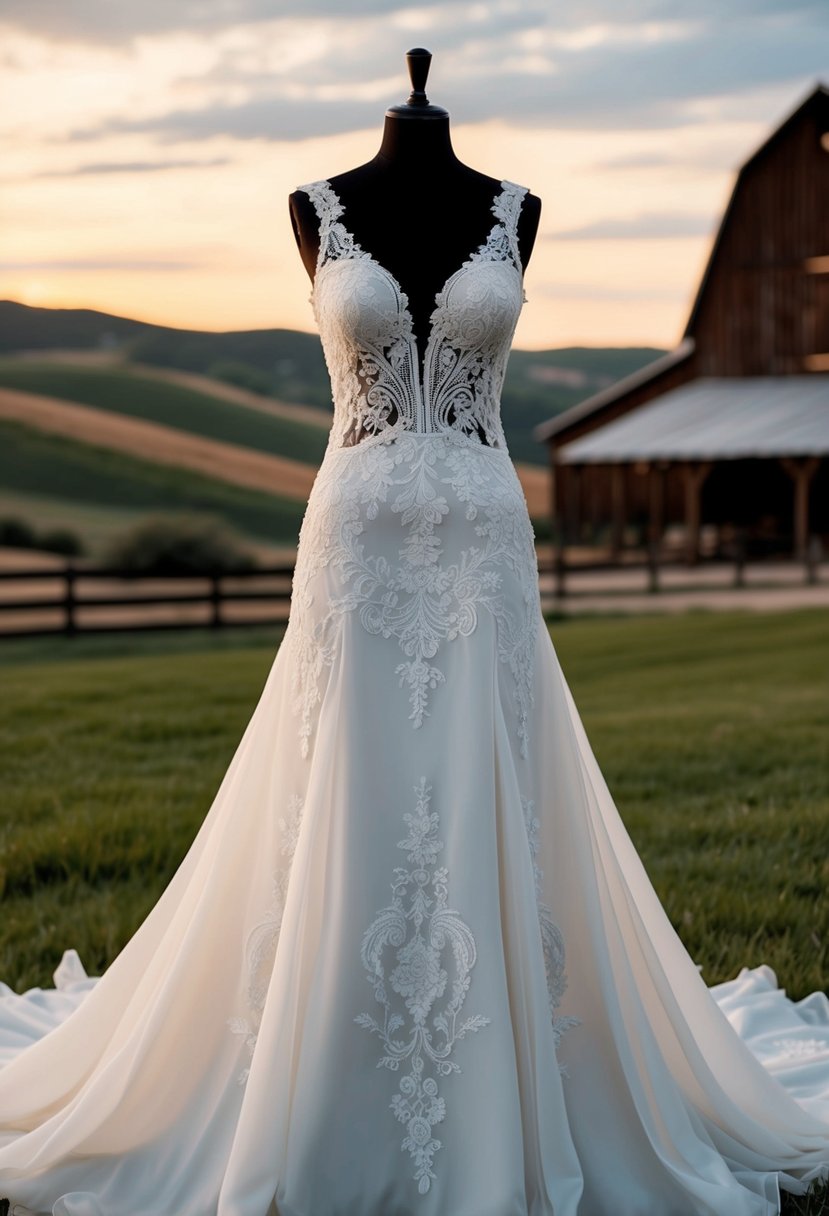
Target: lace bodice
[368, 337]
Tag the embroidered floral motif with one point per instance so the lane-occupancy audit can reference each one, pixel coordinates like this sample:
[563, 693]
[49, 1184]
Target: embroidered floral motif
[435, 590]
[368, 337]
[260, 950]
[800, 1048]
[423, 600]
[419, 926]
[551, 936]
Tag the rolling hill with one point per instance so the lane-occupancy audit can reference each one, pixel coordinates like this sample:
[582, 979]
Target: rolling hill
[288, 365]
[48, 470]
[104, 419]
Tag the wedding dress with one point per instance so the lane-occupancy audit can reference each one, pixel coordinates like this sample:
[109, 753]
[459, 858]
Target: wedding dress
[411, 964]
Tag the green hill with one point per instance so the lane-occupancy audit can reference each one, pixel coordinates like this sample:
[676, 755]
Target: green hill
[36, 464]
[289, 365]
[122, 390]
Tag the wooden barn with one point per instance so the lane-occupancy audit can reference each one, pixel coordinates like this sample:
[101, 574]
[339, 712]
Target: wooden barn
[727, 435]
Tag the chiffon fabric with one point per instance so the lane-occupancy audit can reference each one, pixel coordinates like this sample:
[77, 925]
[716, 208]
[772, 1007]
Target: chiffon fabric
[412, 964]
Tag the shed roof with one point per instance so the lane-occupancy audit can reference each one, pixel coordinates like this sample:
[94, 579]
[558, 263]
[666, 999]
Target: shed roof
[619, 388]
[716, 418]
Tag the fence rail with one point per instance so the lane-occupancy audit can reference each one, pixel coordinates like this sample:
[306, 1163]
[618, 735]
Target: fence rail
[81, 599]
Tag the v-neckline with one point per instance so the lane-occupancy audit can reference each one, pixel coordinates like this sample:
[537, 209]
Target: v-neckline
[404, 298]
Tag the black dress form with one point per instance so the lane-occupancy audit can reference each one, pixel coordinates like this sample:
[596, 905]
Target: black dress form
[414, 207]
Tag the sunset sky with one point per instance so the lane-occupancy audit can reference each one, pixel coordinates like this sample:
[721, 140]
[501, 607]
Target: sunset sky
[150, 145]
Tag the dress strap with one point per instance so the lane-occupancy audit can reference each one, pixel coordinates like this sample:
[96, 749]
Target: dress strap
[507, 208]
[328, 208]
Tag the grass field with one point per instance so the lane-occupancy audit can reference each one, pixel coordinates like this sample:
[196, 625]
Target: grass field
[137, 395]
[34, 463]
[711, 731]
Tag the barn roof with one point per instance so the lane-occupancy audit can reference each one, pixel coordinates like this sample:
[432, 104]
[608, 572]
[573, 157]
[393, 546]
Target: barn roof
[606, 396]
[716, 418]
[816, 102]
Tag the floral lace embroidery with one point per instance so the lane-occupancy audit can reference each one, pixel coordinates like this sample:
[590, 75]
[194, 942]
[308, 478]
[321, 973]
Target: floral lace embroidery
[370, 348]
[419, 926]
[801, 1048]
[551, 936]
[260, 950]
[423, 600]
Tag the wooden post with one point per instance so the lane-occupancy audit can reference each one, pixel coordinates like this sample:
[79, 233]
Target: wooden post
[813, 554]
[69, 600]
[617, 523]
[554, 476]
[559, 522]
[592, 506]
[569, 521]
[694, 474]
[574, 503]
[739, 557]
[656, 494]
[801, 471]
[812, 558]
[216, 600]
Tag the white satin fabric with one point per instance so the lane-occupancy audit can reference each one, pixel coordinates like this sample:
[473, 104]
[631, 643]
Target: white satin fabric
[412, 963]
[132, 1103]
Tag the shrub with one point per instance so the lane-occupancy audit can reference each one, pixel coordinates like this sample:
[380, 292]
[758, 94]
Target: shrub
[18, 534]
[180, 544]
[61, 540]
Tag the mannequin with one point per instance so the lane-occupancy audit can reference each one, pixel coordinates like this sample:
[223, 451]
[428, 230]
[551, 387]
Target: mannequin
[414, 207]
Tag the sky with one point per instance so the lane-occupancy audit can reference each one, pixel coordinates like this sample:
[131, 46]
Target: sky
[149, 146]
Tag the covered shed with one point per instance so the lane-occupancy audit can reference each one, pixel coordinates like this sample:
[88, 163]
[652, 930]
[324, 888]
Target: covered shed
[731, 428]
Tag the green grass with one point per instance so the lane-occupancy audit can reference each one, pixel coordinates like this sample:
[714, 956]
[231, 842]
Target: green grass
[16, 652]
[32, 462]
[138, 395]
[710, 729]
[712, 733]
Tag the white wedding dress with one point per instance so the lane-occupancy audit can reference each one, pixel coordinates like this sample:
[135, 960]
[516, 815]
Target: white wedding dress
[411, 964]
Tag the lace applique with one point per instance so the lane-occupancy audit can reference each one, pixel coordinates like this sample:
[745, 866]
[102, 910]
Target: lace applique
[368, 338]
[260, 950]
[800, 1048]
[423, 600]
[551, 936]
[419, 926]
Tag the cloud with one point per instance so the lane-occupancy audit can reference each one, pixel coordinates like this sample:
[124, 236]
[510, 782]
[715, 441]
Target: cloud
[280, 71]
[527, 70]
[74, 264]
[276, 118]
[595, 292]
[122, 21]
[710, 158]
[115, 22]
[637, 160]
[648, 225]
[131, 166]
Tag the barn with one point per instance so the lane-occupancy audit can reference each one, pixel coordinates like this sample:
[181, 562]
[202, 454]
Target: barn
[725, 439]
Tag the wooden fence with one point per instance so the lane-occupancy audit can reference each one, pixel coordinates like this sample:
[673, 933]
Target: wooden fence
[78, 599]
[653, 560]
